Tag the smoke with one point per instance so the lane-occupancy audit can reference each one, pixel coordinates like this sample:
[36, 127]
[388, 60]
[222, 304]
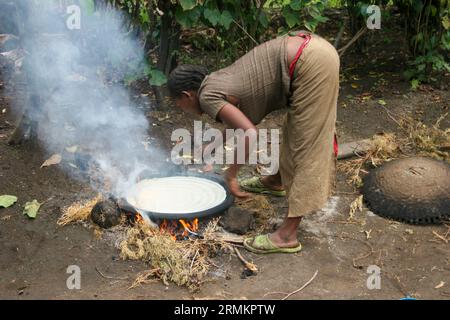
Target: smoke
[75, 66]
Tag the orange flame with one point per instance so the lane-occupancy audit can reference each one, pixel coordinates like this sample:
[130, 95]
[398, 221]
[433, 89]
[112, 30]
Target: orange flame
[169, 228]
[175, 229]
[189, 226]
[139, 218]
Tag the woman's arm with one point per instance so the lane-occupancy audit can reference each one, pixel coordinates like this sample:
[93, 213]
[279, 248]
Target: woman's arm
[236, 119]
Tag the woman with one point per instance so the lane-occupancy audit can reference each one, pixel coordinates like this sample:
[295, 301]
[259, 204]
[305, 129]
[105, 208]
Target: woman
[300, 72]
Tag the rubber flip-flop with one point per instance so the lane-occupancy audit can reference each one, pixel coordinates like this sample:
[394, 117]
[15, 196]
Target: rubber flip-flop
[255, 185]
[262, 244]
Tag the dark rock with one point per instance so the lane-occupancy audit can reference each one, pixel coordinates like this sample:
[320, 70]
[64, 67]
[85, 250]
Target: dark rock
[106, 214]
[237, 220]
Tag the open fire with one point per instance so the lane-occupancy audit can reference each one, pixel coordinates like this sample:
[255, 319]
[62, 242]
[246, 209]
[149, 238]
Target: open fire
[177, 229]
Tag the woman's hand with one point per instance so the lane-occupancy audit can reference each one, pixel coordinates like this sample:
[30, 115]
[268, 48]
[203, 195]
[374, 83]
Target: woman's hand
[233, 184]
[236, 119]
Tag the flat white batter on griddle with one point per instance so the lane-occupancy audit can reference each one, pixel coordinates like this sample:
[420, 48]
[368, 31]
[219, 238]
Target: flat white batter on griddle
[176, 195]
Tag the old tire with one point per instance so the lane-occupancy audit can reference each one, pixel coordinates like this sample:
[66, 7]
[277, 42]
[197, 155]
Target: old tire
[413, 190]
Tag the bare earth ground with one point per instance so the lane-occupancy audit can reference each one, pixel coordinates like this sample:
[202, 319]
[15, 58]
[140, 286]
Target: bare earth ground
[35, 254]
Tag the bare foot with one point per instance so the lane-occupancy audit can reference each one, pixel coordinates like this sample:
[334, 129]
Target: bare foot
[272, 182]
[283, 241]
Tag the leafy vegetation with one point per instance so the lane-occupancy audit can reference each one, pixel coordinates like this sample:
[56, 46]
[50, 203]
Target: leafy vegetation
[427, 25]
[230, 27]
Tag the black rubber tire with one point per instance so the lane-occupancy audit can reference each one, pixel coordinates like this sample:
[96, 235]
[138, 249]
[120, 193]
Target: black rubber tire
[413, 190]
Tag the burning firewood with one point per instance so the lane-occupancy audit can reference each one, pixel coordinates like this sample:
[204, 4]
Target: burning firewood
[179, 251]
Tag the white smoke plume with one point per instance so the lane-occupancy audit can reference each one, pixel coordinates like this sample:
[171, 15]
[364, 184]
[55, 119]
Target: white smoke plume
[77, 75]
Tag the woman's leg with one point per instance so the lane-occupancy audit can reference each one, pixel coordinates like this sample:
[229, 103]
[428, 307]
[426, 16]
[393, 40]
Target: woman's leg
[286, 235]
[307, 159]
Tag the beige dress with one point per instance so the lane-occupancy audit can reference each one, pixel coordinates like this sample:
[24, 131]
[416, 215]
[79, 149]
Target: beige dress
[260, 80]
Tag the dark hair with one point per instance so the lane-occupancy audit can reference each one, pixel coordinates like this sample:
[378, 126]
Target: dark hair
[186, 77]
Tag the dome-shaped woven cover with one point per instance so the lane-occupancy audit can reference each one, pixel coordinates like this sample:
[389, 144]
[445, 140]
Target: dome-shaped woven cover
[414, 190]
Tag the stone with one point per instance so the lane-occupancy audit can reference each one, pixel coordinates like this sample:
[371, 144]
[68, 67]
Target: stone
[106, 214]
[237, 220]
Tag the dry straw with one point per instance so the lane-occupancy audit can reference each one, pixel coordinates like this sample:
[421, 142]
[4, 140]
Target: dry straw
[415, 138]
[262, 210]
[78, 211]
[185, 263]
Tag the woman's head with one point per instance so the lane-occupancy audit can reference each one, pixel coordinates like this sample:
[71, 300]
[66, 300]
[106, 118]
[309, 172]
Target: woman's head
[184, 82]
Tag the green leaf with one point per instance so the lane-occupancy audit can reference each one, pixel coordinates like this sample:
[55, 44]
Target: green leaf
[147, 69]
[226, 19]
[182, 18]
[320, 19]
[311, 25]
[292, 18]
[418, 5]
[144, 17]
[187, 18]
[31, 209]
[264, 20]
[296, 5]
[433, 10]
[212, 15]
[446, 22]
[7, 201]
[281, 31]
[409, 73]
[415, 84]
[381, 102]
[188, 4]
[157, 78]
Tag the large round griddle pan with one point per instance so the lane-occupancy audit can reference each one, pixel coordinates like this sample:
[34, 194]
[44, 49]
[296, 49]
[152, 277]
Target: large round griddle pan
[414, 190]
[213, 211]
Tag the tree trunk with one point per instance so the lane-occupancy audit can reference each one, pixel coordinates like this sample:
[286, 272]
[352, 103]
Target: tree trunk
[356, 23]
[168, 43]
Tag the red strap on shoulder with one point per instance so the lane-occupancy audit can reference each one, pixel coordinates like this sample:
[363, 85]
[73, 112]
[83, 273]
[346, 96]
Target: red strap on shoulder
[299, 53]
[291, 74]
[336, 146]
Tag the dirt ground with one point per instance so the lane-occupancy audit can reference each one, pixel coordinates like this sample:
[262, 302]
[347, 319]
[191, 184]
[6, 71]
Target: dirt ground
[35, 254]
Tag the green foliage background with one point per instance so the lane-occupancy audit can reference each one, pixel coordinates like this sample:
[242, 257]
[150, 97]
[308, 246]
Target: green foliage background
[230, 27]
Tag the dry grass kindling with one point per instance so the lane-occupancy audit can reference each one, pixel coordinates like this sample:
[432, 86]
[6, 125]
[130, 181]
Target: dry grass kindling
[185, 263]
[431, 141]
[78, 211]
[355, 206]
[384, 147]
[262, 209]
[418, 139]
